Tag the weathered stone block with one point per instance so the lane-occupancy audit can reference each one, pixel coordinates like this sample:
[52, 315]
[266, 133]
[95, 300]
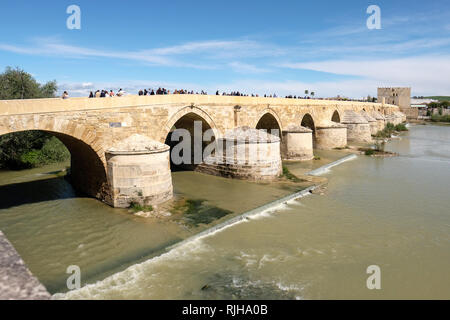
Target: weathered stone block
[245, 153]
[331, 136]
[128, 174]
[297, 143]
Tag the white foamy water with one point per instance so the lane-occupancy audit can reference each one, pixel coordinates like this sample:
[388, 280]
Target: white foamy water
[326, 169]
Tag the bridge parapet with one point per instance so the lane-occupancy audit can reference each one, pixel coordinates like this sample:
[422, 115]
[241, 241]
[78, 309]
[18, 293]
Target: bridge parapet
[10, 107]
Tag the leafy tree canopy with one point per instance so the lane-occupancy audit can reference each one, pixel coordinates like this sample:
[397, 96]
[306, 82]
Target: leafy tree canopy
[18, 84]
[29, 148]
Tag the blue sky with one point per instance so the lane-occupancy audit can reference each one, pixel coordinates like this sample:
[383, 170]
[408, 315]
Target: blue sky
[252, 46]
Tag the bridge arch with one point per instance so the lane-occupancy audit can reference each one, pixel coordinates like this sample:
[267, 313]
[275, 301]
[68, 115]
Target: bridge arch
[87, 169]
[308, 122]
[185, 111]
[186, 119]
[336, 117]
[269, 120]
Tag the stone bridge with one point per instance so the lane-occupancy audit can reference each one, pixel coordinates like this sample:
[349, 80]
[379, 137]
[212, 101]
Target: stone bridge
[119, 146]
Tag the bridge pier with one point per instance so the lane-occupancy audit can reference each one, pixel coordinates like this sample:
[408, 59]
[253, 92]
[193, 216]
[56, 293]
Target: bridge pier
[245, 153]
[390, 118]
[380, 120]
[372, 122]
[331, 135]
[400, 117]
[358, 128]
[138, 170]
[297, 143]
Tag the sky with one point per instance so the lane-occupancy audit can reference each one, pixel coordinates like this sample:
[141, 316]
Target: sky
[261, 47]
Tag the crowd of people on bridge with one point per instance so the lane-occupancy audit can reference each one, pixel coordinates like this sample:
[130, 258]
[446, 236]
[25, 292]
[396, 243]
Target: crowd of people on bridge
[106, 93]
[164, 91]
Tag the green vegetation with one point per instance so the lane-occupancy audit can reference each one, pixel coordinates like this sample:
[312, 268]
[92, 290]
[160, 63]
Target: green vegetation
[289, 175]
[316, 158]
[401, 127]
[440, 105]
[28, 149]
[440, 118]
[137, 207]
[389, 130]
[24, 150]
[18, 84]
[196, 212]
[341, 148]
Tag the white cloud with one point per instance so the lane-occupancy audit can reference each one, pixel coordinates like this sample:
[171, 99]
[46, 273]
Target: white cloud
[425, 74]
[202, 46]
[246, 68]
[211, 52]
[374, 58]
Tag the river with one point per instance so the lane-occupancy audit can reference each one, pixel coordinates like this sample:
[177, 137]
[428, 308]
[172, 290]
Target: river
[389, 212]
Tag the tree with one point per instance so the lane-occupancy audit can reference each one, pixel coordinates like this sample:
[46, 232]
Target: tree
[19, 150]
[312, 94]
[433, 105]
[444, 104]
[18, 84]
[306, 92]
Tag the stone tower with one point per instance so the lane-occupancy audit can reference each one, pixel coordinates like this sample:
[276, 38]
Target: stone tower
[400, 97]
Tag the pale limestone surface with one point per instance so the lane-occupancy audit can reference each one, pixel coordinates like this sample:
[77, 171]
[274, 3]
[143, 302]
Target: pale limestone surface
[245, 153]
[249, 135]
[399, 96]
[331, 135]
[381, 120]
[136, 144]
[297, 143]
[372, 122]
[390, 118]
[358, 128]
[139, 171]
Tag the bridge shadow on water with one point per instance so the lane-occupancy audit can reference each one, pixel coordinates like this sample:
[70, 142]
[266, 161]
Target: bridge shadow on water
[47, 189]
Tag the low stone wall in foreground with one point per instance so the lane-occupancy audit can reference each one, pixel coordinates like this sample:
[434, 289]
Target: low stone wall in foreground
[16, 281]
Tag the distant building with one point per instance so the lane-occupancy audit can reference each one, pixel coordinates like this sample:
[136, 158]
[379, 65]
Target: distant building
[421, 103]
[422, 106]
[400, 97]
